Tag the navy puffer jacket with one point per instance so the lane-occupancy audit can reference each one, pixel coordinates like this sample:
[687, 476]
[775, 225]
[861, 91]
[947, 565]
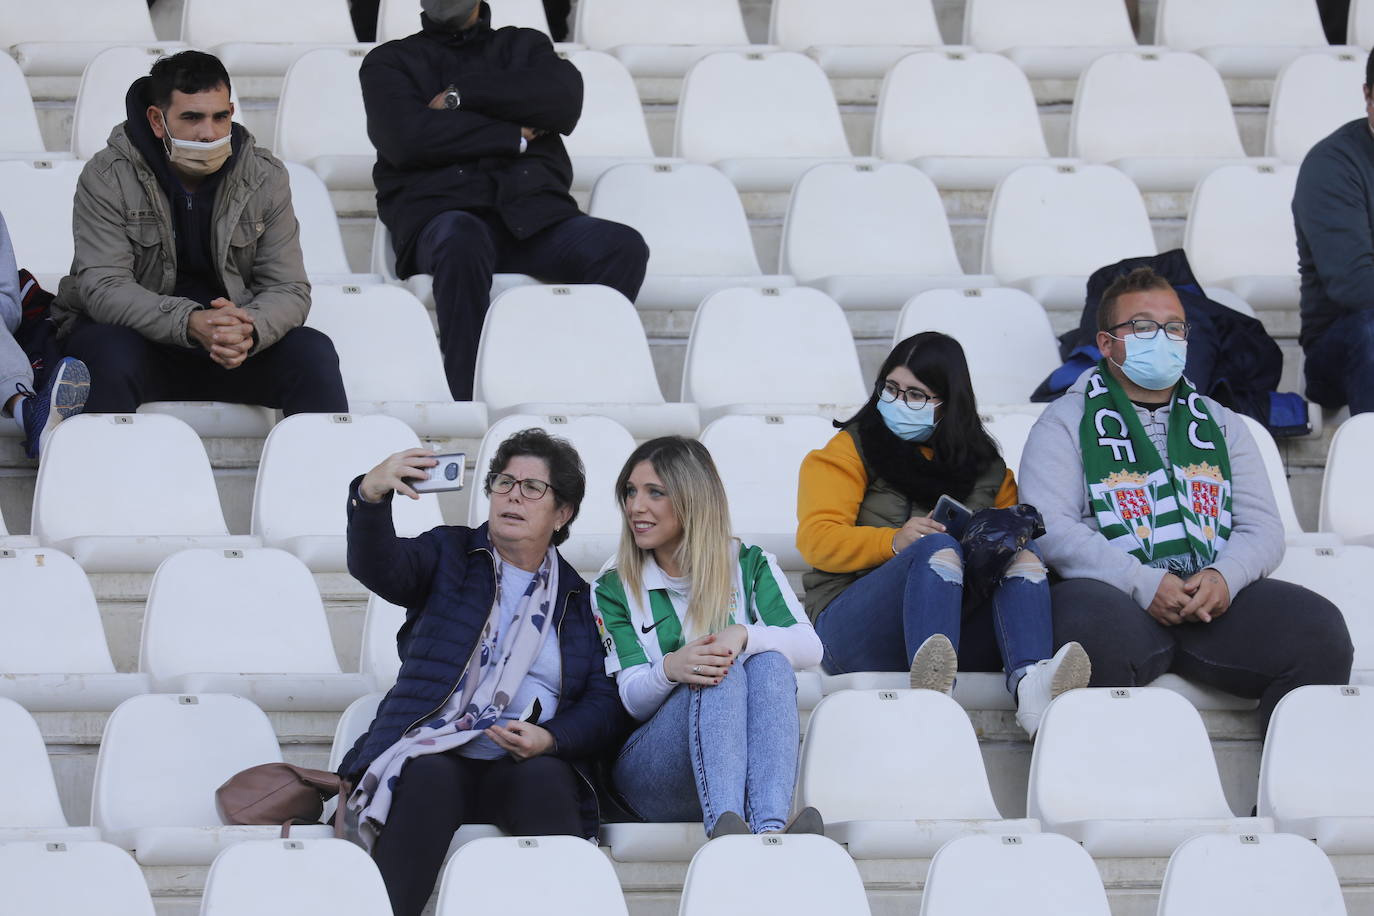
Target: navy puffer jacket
[446, 578]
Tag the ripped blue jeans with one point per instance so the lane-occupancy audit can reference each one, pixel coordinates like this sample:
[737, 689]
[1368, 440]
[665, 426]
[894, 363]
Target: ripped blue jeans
[879, 622]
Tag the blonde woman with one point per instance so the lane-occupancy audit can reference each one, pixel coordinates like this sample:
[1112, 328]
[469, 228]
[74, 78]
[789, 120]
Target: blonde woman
[702, 633]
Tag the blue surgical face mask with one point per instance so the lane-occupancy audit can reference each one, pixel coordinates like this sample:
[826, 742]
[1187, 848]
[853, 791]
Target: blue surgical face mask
[914, 424]
[1154, 364]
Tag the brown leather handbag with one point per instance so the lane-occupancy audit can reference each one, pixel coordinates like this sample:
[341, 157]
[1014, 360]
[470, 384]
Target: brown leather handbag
[280, 793]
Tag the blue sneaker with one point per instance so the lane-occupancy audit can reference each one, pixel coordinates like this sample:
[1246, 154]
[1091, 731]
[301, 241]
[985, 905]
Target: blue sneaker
[63, 396]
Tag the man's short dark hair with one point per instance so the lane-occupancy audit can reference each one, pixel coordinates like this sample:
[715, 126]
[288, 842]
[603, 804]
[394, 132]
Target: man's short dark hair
[566, 476]
[189, 72]
[1137, 281]
[1369, 70]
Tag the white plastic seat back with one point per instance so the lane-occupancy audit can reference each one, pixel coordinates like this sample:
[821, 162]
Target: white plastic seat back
[603, 446]
[77, 20]
[24, 766]
[796, 25]
[1190, 25]
[288, 877]
[690, 216]
[1033, 874]
[76, 496]
[206, 23]
[480, 875]
[1261, 874]
[1317, 756]
[1278, 477]
[1249, 202]
[36, 198]
[192, 628]
[846, 219]
[330, 139]
[72, 878]
[322, 245]
[1097, 216]
[1347, 506]
[1006, 336]
[163, 756]
[801, 875]
[775, 105]
[758, 458]
[999, 25]
[49, 621]
[1360, 24]
[21, 134]
[379, 658]
[1190, 111]
[1313, 95]
[804, 327]
[1011, 430]
[1339, 573]
[612, 121]
[355, 720]
[893, 755]
[957, 103]
[605, 24]
[1123, 753]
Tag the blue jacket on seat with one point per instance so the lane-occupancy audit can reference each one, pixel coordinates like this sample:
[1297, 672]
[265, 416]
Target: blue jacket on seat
[446, 579]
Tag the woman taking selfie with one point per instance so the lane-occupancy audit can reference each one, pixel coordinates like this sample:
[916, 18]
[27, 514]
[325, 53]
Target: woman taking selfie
[702, 633]
[887, 589]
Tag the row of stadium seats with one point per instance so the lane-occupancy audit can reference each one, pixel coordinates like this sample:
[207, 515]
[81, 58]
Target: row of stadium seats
[1050, 38]
[1124, 772]
[870, 236]
[965, 118]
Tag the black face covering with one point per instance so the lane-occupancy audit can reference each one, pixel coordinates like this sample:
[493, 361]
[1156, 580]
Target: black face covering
[452, 15]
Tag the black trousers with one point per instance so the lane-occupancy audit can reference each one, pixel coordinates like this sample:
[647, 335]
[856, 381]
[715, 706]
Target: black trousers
[438, 793]
[299, 373]
[1274, 637]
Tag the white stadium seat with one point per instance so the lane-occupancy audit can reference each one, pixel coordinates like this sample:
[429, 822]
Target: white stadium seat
[71, 878]
[210, 640]
[1010, 430]
[21, 138]
[1038, 874]
[85, 506]
[1244, 39]
[727, 371]
[307, 463]
[285, 877]
[1006, 336]
[1253, 202]
[421, 286]
[1360, 24]
[355, 720]
[1314, 776]
[379, 659]
[864, 41]
[761, 118]
[660, 37]
[1190, 131]
[1347, 505]
[612, 128]
[1098, 218]
[1260, 875]
[1341, 575]
[322, 245]
[588, 355]
[965, 119]
[801, 875]
[52, 644]
[390, 361]
[60, 39]
[264, 37]
[550, 874]
[161, 759]
[1128, 772]
[758, 458]
[603, 446]
[1313, 95]
[1051, 39]
[31, 811]
[897, 774]
[331, 139]
[1278, 482]
[41, 191]
[694, 224]
[870, 236]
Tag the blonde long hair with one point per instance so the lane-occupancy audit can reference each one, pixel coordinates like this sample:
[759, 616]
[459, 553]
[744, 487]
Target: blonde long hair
[706, 554]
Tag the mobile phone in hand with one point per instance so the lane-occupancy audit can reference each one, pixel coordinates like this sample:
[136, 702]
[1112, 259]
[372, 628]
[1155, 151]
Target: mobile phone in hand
[954, 515]
[444, 476]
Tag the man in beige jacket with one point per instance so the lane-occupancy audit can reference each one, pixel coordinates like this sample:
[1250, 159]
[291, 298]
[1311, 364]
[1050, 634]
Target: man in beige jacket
[188, 281]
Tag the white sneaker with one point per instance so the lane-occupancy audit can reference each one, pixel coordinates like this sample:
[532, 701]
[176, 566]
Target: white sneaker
[1070, 668]
[934, 665]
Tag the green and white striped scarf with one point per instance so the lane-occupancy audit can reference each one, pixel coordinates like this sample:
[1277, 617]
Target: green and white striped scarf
[1176, 518]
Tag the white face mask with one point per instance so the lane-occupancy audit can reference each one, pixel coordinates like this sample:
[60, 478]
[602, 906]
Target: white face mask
[195, 157]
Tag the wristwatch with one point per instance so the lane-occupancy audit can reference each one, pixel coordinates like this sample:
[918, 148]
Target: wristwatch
[451, 98]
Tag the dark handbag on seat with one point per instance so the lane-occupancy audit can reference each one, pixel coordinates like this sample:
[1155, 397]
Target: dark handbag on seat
[280, 793]
[991, 542]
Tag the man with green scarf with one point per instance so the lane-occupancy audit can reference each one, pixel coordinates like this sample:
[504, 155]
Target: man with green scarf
[1161, 525]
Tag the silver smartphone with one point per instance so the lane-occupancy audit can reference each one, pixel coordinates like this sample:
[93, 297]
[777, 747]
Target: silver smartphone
[444, 476]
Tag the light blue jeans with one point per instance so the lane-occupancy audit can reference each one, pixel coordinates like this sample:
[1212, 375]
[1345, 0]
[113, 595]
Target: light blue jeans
[731, 747]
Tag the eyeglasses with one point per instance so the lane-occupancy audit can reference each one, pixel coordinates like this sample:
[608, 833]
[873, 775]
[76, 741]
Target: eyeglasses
[890, 391]
[1145, 329]
[530, 487]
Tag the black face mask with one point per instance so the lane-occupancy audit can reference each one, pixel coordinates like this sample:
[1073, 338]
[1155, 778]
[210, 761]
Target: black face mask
[452, 15]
